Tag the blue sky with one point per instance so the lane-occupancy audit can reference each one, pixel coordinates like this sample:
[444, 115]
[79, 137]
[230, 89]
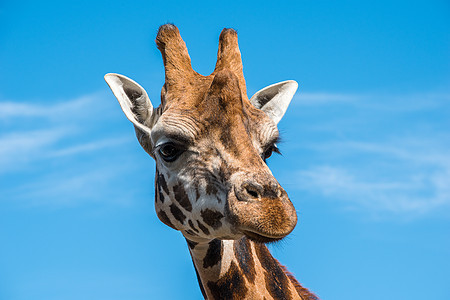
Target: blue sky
[365, 152]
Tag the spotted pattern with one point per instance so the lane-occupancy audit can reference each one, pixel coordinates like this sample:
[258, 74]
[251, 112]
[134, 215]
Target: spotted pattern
[181, 197]
[203, 228]
[211, 189]
[162, 186]
[277, 282]
[229, 286]
[177, 213]
[212, 218]
[191, 244]
[191, 224]
[242, 251]
[165, 219]
[227, 102]
[213, 254]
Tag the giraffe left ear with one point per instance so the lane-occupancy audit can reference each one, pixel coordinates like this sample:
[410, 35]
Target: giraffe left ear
[136, 105]
[274, 99]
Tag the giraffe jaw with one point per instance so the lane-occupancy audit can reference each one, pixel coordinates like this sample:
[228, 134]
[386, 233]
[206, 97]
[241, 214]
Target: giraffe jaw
[258, 238]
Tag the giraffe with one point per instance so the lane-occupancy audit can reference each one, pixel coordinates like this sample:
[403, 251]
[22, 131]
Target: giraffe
[210, 143]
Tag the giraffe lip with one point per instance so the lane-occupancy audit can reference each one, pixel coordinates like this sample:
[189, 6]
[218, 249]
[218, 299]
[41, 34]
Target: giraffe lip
[256, 237]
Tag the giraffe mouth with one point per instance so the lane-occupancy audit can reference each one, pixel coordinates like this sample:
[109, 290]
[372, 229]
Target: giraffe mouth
[258, 238]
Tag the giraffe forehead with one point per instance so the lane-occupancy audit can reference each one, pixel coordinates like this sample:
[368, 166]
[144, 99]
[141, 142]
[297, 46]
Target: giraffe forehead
[211, 105]
[229, 124]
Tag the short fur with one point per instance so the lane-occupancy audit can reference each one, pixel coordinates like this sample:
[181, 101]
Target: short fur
[217, 190]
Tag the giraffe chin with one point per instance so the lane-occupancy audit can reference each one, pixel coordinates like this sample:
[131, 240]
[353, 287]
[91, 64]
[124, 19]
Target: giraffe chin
[258, 238]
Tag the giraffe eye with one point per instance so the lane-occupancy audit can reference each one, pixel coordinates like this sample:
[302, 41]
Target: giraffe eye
[269, 150]
[170, 152]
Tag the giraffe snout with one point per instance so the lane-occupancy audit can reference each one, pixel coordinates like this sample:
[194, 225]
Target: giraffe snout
[261, 208]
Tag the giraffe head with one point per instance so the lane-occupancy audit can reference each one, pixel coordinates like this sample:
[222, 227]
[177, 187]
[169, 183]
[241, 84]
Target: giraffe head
[210, 143]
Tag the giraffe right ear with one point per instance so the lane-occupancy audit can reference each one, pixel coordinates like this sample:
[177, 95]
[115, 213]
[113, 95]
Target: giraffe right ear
[274, 99]
[136, 105]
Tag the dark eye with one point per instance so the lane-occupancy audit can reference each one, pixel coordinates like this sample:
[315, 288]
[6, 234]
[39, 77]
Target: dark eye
[269, 150]
[170, 152]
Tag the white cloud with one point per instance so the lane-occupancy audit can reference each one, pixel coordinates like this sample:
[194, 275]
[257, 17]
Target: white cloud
[383, 154]
[380, 101]
[32, 138]
[42, 151]
[75, 187]
[407, 176]
[19, 148]
[412, 195]
[89, 147]
[62, 109]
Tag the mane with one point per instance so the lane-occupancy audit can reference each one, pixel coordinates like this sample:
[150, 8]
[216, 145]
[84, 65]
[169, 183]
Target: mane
[303, 292]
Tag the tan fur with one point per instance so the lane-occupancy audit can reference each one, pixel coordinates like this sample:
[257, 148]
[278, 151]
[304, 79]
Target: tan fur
[219, 192]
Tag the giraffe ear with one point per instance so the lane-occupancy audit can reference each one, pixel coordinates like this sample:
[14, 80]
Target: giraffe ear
[274, 99]
[136, 105]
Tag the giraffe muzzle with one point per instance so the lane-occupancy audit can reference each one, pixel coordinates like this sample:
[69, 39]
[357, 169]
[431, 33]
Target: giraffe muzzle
[260, 208]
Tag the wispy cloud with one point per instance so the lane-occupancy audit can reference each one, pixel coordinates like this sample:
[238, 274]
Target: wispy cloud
[381, 101]
[44, 142]
[389, 155]
[75, 187]
[413, 195]
[19, 148]
[90, 146]
[64, 109]
[31, 137]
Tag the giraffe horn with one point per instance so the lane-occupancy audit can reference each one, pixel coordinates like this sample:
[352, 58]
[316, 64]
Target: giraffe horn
[229, 56]
[177, 62]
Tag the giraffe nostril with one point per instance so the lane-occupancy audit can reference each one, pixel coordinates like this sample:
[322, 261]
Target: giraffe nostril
[249, 191]
[252, 192]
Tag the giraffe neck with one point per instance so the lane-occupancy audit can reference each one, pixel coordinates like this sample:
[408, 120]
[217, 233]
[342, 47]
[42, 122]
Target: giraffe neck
[242, 269]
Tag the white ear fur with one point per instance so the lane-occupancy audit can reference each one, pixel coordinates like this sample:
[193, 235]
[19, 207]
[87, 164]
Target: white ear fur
[133, 100]
[274, 99]
[136, 105]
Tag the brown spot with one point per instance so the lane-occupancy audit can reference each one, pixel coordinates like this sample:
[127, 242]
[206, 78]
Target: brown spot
[177, 213]
[191, 244]
[212, 218]
[230, 286]
[213, 254]
[162, 186]
[277, 282]
[242, 250]
[203, 228]
[211, 189]
[165, 219]
[191, 224]
[181, 197]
